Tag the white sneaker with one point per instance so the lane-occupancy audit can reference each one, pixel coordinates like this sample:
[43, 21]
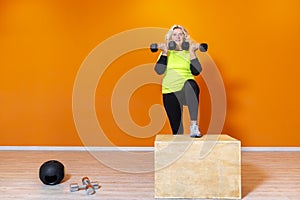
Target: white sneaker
[194, 131]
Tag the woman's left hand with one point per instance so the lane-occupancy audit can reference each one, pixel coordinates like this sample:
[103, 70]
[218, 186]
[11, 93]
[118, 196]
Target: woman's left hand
[194, 47]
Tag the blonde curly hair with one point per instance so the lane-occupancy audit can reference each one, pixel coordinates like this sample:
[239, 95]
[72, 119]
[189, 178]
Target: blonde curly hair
[170, 32]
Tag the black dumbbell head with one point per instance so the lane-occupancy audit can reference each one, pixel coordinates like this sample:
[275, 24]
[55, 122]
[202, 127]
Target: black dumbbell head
[203, 47]
[172, 45]
[51, 172]
[185, 46]
[154, 47]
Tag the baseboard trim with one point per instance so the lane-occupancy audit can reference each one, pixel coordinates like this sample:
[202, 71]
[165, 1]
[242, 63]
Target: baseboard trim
[72, 148]
[82, 148]
[270, 149]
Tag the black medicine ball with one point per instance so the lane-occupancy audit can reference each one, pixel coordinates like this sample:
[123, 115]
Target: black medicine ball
[51, 172]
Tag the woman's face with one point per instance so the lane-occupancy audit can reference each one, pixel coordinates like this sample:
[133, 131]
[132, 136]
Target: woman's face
[178, 36]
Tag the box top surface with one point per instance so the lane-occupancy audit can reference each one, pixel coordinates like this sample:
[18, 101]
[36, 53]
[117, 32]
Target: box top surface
[187, 138]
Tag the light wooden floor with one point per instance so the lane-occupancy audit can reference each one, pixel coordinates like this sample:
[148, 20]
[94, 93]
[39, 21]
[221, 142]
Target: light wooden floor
[265, 176]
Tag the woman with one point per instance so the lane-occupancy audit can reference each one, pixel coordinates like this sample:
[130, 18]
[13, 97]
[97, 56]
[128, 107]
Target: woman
[179, 88]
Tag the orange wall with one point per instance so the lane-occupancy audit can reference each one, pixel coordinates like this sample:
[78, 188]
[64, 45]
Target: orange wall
[43, 44]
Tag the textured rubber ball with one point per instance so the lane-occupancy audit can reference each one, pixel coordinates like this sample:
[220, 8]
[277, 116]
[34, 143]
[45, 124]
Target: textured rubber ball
[51, 172]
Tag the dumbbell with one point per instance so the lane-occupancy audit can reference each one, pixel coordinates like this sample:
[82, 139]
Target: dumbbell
[89, 186]
[203, 46]
[171, 46]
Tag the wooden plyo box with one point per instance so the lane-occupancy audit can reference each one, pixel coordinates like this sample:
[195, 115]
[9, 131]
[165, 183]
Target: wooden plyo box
[207, 167]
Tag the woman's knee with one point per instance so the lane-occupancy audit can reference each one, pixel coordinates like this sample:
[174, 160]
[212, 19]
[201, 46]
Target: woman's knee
[192, 84]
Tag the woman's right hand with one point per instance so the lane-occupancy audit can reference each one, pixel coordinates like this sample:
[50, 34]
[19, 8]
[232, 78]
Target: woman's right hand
[164, 48]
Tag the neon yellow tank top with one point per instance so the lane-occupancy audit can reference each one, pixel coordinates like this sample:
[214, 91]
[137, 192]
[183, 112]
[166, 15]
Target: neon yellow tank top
[177, 72]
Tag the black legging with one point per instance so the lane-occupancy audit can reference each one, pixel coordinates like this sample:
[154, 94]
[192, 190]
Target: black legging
[173, 103]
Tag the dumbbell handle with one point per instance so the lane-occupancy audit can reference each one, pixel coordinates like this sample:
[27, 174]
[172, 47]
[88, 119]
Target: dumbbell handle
[75, 187]
[155, 46]
[202, 47]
